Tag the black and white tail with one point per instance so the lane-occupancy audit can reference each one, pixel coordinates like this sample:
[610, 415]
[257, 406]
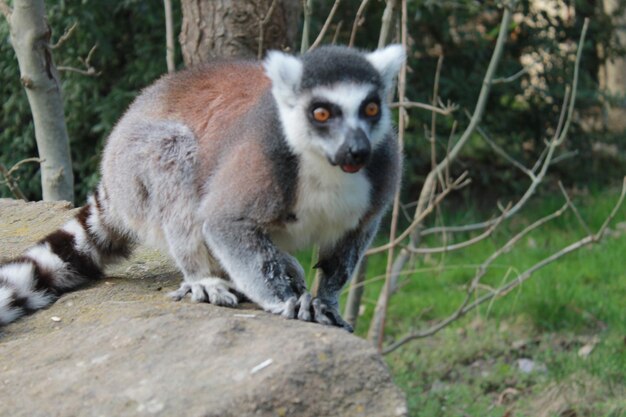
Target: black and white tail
[62, 261]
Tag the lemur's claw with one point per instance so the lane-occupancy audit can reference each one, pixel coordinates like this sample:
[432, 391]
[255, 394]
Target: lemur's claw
[307, 308]
[324, 314]
[208, 290]
[298, 308]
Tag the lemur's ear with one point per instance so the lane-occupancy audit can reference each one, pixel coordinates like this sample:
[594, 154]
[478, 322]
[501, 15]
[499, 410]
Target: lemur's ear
[285, 72]
[388, 61]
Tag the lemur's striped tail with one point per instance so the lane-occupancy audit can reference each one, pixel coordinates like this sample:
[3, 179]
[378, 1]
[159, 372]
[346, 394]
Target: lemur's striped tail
[62, 261]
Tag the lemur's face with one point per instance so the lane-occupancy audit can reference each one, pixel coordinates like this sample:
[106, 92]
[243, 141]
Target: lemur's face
[344, 122]
[332, 103]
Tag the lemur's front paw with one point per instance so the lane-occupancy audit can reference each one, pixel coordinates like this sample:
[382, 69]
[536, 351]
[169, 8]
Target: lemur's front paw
[208, 290]
[307, 308]
[326, 314]
[298, 308]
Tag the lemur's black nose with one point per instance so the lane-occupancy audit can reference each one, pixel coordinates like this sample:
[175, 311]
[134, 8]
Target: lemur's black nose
[355, 151]
[358, 155]
[358, 145]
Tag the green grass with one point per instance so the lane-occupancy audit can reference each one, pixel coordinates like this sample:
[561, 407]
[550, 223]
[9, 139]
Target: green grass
[471, 368]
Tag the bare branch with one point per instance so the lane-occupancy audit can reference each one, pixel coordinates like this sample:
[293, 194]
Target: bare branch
[521, 278]
[68, 34]
[89, 69]
[428, 189]
[377, 327]
[445, 110]
[516, 75]
[564, 156]
[386, 23]
[262, 24]
[574, 209]
[357, 21]
[503, 153]
[11, 182]
[570, 111]
[460, 182]
[329, 19]
[307, 7]
[24, 161]
[169, 36]
[556, 141]
[433, 119]
[608, 220]
[465, 307]
[461, 245]
[5, 10]
[337, 31]
[418, 271]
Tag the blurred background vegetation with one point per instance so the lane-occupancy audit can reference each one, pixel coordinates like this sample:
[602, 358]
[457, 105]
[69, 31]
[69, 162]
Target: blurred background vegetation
[130, 35]
[468, 369]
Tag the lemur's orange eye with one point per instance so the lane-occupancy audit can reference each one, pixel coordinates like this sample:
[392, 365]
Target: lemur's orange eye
[371, 109]
[321, 114]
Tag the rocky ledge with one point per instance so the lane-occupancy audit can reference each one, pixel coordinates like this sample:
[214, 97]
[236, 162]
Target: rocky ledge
[121, 348]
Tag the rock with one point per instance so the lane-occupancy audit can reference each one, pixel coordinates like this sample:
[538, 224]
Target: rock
[120, 348]
[526, 366]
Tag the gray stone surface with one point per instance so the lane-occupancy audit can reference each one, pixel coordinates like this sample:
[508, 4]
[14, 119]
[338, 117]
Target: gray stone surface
[121, 348]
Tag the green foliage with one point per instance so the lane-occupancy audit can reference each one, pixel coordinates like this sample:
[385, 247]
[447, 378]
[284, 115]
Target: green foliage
[130, 54]
[471, 367]
[520, 115]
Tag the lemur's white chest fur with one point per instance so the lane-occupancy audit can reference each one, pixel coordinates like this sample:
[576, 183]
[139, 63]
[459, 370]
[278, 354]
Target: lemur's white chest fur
[329, 204]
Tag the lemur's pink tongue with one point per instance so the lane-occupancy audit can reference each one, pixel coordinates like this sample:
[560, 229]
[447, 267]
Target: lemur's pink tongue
[351, 169]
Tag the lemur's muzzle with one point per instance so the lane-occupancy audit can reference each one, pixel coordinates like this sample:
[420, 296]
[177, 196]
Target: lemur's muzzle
[355, 152]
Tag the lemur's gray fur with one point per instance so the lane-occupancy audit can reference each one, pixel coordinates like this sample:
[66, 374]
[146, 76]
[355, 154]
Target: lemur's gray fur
[230, 168]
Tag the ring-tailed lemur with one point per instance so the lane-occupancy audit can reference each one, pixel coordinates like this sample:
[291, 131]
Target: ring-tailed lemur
[230, 167]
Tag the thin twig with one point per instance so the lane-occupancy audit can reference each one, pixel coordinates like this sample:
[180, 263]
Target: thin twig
[424, 270]
[357, 21]
[337, 32]
[515, 76]
[460, 182]
[6, 10]
[565, 155]
[521, 278]
[11, 182]
[608, 220]
[386, 23]
[329, 19]
[169, 37]
[428, 189]
[460, 245]
[557, 140]
[582, 222]
[433, 119]
[446, 111]
[386, 292]
[24, 161]
[89, 71]
[503, 153]
[307, 8]
[579, 52]
[68, 34]
[482, 270]
[262, 24]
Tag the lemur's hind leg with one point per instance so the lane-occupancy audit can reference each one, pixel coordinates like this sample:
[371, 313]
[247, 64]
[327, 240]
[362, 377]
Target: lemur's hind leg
[155, 162]
[202, 273]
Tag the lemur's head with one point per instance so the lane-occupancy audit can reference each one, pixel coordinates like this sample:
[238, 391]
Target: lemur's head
[332, 100]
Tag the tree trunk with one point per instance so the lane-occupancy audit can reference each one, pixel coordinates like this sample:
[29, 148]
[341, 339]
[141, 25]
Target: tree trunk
[30, 36]
[613, 77]
[232, 28]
